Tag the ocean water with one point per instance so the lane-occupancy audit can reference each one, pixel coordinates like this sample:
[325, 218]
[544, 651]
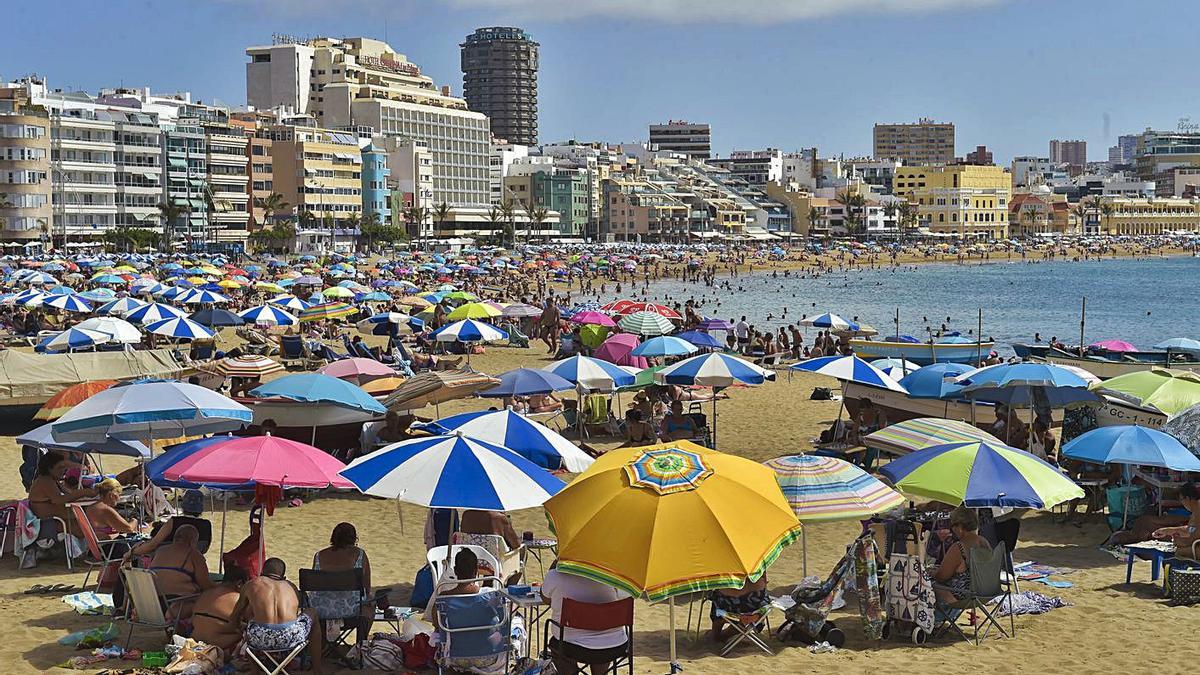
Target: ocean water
[1141, 301]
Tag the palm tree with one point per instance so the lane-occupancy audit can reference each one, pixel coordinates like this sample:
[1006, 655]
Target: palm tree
[494, 217]
[891, 210]
[814, 216]
[170, 212]
[508, 210]
[853, 202]
[906, 218]
[537, 216]
[272, 205]
[1080, 211]
[353, 221]
[440, 213]
[1107, 210]
[1029, 216]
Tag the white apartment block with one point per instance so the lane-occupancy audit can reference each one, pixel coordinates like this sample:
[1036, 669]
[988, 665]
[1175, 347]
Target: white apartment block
[359, 82]
[501, 158]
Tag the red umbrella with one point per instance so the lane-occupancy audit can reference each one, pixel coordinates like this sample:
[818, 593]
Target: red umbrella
[661, 310]
[618, 306]
[265, 460]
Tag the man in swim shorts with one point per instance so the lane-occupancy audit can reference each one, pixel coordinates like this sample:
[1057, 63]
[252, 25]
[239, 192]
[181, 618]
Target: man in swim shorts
[275, 622]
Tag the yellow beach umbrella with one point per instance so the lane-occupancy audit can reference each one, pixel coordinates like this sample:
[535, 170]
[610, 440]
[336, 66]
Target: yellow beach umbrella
[414, 301]
[690, 519]
[197, 280]
[268, 286]
[209, 269]
[228, 283]
[474, 310]
[337, 292]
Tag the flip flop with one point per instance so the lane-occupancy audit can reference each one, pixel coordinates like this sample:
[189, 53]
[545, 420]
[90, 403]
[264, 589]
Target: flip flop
[60, 588]
[36, 589]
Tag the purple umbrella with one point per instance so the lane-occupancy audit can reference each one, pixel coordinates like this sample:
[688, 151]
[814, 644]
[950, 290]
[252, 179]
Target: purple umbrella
[308, 280]
[714, 324]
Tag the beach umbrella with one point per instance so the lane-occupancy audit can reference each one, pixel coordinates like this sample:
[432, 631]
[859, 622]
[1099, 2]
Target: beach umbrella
[711, 323]
[68, 303]
[474, 310]
[68, 398]
[909, 436]
[98, 294]
[714, 370]
[118, 330]
[1165, 390]
[326, 310]
[1129, 444]
[1182, 345]
[618, 349]
[1185, 426]
[528, 438]
[1114, 346]
[357, 370]
[319, 388]
[527, 382]
[154, 312]
[700, 339]
[469, 330]
[289, 302]
[453, 472]
[646, 324]
[830, 321]
[120, 306]
[244, 365]
[181, 329]
[681, 511]
[664, 345]
[308, 280]
[148, 410]
[850, 369]
[267, 315]
[590, 373]
[896, 368]
[520, 310]
[437, 387]
[174, 453]
[1026, 385]
[593, 318]
[337, 292]
[827, 488]
[43, 437]
[980, 475]
[261, 460]
[935, 380]
[204, 298]
[214, 316]
[72, 339]
[634, 307]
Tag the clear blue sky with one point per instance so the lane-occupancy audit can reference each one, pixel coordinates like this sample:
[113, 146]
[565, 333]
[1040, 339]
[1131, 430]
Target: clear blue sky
[1011, 74]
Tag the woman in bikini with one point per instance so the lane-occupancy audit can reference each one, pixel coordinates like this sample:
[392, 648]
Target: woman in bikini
[49, 496]
[677, 426]
[211, 617]
[179, 568]
[106, 522]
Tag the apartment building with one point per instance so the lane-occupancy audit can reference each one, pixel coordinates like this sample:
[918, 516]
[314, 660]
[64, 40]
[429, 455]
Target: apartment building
[636, 210]
[139, 169]
[693, 139]
[346, 84]
[228, 180]
[375, 192]
[185, 162]
[260, 170]
[1071, 153]
[1157, 154]
[965, 200]
[500, 74]
[923, 143]
[25, 187]
[319, 172]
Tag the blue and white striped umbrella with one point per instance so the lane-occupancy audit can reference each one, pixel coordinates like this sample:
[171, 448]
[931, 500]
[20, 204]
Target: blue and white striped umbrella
[180, 328]
[664, 345]
[530, 439]
[589, 373]
[289, 302]
[469, 330]
[142, 286]
[31, 298]
[268, 315]
[68, 303]
[453, 472]
[121, 306]
[72, 338]
[149, 410]
[38, 279]
[154, 312]
[387, 317]
[172, 292]
[830, 321]
[850, 369]
[713, 370]
[202, 298]
[98, 294]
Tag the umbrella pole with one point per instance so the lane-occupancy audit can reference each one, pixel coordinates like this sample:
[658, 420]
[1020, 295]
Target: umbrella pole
[221, 547]
[714, 407]
[804, 551]
[675, 667]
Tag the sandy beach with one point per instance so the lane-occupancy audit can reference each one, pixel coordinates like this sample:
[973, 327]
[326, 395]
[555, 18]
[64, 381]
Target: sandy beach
[1110, 627]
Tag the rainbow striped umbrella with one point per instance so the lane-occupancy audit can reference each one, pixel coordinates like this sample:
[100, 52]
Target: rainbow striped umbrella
[922, 432]
[667, 470]
[828, 488]
[326, 310]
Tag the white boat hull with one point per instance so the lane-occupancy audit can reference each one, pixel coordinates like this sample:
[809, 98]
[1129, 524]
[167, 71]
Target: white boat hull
[921, 353]
[296, 414]
[1107, 369]
[899, 407]
[1115, 412]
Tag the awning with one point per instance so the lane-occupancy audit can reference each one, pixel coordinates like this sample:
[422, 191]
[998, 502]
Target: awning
[196, 182]
[705, 235]
[182, 163]
[196, 203]
[151, 175]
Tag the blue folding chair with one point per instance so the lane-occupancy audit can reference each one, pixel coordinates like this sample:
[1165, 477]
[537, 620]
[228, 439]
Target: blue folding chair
[473, 627]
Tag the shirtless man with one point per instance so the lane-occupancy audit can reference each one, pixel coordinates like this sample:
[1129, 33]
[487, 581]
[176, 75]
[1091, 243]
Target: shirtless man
[549, 323]
[271, 606]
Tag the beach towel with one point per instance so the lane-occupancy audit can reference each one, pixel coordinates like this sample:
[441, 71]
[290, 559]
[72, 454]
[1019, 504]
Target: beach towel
[90, 603]
[30, 537]
[909, 591]
[1029, 602]
[866, 580]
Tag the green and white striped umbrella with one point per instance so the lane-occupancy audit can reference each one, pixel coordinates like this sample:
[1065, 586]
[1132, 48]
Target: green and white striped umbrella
[646, 324]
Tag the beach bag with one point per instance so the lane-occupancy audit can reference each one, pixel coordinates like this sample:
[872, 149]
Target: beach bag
[1184, 585]
[380, 653]
[909, 591]
[821, 394]
[422, 588]
[418, 652]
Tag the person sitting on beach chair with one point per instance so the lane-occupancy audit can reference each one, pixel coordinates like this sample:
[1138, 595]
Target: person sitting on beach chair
[734, 603]
[952, 577]
[676, 426]
[270, 605]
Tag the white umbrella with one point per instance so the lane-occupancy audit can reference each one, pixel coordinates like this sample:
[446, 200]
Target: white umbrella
[118, 330]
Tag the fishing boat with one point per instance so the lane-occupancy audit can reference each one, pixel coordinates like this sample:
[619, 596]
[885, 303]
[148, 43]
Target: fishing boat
[1105, 364]
[923, 353]
[288, 413]
[899, 407]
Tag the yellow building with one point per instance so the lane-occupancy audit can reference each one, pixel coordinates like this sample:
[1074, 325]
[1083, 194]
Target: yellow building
[318, 171]
[962, 199]
[1161, 215]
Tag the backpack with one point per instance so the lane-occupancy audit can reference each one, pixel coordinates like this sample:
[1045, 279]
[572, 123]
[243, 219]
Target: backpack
[821, 394]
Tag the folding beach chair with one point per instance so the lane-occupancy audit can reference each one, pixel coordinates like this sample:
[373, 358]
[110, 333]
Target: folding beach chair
[323, 591]
[147, 607]
[101, 554]
[274, 661]
[473, 627]
[988, 592]
[591, 616]
[747, 626]
[292, 350]
[489, 565]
